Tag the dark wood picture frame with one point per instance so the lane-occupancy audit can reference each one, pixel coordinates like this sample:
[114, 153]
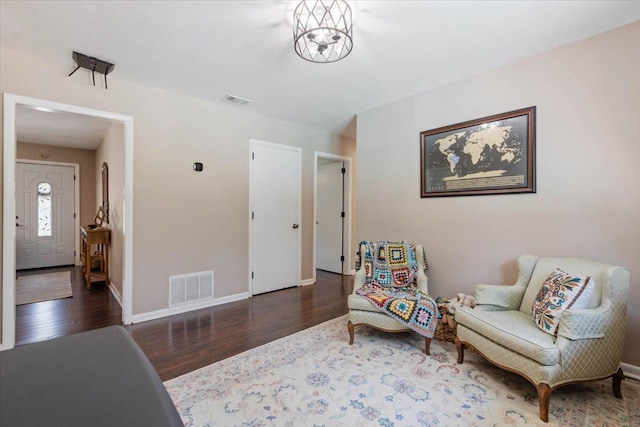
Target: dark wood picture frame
[491, 155]
[105, 191]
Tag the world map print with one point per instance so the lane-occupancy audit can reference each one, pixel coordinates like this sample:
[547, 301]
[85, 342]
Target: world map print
[489, 155]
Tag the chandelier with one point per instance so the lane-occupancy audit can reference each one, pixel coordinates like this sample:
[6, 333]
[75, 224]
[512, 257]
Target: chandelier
[322, 30]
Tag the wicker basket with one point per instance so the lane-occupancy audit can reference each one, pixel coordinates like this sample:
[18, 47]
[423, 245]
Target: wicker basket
[444, 332]
[96, 261]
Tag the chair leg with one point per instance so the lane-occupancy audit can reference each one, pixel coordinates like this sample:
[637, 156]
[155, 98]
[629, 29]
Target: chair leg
[351, 328]
[460, 348]
[617, 381]
[544, 396]
[427, 346]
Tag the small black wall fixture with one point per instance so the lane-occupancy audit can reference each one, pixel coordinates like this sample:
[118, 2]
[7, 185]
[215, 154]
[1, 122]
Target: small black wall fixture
[197, 166]
[93, 64]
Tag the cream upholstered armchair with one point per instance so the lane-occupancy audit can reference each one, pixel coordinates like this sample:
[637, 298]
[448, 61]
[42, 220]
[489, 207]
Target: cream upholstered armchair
[362, 312]
[588, 342]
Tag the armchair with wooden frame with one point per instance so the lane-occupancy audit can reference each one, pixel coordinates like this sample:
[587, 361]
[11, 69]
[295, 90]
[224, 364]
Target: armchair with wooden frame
[587, 345]
[362, 312]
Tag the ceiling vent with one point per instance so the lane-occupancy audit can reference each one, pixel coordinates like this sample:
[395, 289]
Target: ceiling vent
[236, 100]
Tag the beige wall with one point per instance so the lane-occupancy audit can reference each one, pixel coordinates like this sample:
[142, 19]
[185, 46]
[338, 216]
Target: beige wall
[111, 151]
[588, 148]
[183, 221]
[86, 160]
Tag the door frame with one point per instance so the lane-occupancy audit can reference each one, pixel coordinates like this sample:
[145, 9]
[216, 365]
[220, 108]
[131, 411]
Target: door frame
[346, 269]
[10, 104]
[252, 143]
[76, 199]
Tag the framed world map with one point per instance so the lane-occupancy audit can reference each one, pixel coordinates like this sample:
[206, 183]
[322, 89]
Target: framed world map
[491, 155]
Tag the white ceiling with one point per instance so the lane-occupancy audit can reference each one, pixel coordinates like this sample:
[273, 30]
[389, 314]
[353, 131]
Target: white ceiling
[245, 48]
[61, 129]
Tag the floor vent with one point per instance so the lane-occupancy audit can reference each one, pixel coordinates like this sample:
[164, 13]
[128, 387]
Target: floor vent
[190, 288]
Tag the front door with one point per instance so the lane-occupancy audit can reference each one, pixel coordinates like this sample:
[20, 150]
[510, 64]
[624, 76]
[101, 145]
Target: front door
[44, 215]
[275, 216]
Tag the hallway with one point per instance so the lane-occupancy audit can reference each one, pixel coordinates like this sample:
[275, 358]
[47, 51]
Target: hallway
[84, 311]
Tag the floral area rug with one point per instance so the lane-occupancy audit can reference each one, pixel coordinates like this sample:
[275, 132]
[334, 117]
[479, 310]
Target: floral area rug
[314, 378]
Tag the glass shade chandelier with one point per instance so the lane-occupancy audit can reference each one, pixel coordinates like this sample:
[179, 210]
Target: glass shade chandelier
[322, 30]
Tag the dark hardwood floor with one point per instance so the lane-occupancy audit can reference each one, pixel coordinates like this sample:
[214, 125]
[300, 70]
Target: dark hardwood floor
[179, 344]
[86, 310]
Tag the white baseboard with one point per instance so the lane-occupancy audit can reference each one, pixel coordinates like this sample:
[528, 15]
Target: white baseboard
[313, 280]
[631, 371]
[151, 315]
[115, 293]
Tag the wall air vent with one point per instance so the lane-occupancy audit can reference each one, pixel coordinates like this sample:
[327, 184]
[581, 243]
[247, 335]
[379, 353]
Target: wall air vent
[236, 100]
[190, 288]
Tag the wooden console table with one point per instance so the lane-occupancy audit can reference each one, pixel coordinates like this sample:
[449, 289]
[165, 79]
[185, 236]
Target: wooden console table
[97, 236]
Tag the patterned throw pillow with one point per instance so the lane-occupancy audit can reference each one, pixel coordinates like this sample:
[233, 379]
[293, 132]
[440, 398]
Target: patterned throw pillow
[560, 292]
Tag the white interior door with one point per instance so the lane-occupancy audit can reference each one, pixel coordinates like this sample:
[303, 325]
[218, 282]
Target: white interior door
[275, 208]
[329, 210]
[45, 232]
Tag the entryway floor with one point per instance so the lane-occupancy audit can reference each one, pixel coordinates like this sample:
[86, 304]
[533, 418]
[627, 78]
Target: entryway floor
[84, 311]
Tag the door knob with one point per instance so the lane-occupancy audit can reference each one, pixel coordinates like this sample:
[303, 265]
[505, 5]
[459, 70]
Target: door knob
[295, 226]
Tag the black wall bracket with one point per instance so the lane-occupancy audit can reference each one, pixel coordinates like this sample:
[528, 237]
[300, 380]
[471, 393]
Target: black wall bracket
[93, 64]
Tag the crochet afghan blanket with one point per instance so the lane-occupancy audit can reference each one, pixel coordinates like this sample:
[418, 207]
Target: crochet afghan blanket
[391, 270]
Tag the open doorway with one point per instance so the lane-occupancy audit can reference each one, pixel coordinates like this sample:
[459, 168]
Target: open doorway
[332, 213]
[14, 108]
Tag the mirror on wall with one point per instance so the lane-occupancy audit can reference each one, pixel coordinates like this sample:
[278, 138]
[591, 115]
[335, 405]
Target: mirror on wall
[105, 191]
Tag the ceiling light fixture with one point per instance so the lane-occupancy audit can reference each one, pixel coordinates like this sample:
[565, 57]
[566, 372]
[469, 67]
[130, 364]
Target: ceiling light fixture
[322, 30]
[39, 108]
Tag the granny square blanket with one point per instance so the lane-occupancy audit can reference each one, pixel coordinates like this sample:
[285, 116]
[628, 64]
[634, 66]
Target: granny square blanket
[391, 270]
